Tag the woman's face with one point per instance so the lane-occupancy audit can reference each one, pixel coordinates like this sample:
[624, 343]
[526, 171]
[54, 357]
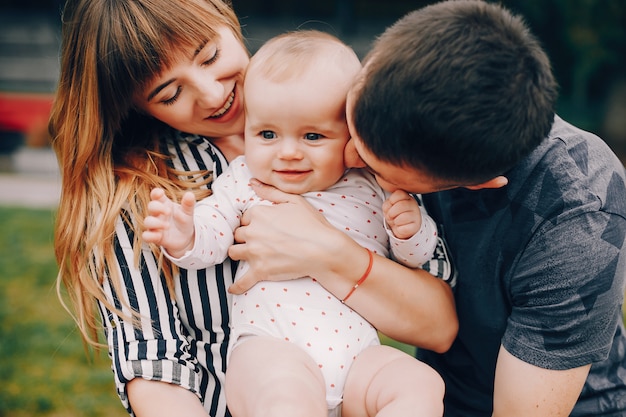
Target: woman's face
[202, 91]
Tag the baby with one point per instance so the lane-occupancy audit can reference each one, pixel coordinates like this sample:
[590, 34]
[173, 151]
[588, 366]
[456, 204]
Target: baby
[293, 344]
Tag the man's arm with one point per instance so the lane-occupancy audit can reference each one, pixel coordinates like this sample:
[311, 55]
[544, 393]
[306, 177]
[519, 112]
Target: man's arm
[525, 390]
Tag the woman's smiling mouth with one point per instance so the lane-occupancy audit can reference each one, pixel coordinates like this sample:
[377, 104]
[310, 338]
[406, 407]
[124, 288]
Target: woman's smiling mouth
[225, 108]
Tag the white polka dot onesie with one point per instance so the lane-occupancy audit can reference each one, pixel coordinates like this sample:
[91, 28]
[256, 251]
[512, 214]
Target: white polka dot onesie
[302, 311]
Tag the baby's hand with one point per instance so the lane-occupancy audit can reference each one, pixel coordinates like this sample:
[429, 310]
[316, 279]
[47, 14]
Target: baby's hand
[402, 214]
[170, 224]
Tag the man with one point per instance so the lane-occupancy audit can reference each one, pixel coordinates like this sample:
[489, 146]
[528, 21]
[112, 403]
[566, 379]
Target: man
[457, 100]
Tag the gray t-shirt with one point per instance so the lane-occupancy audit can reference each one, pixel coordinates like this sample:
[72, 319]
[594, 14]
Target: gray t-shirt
[541, 269]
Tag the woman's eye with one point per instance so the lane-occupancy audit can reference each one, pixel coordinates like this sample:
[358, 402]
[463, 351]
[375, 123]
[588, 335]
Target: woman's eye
[312, 136]
[213, 58]
[267, 134]
[172, 100]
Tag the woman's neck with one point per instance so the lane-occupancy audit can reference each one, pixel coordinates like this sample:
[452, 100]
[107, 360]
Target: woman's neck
[230, 146]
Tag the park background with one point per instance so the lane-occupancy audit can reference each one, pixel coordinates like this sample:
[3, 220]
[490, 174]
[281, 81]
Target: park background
[44, 370]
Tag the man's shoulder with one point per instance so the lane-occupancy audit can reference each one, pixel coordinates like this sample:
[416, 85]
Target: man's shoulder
[572, 166]
[584, 148]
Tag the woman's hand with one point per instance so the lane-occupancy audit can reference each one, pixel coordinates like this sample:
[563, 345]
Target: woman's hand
[283, 241]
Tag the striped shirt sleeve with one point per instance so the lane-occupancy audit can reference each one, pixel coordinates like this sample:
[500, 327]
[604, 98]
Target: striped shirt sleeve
[180, 340]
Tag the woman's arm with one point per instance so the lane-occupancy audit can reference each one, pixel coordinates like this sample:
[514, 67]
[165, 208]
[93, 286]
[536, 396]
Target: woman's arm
[290, 240]
[154, 349]
[155, 399]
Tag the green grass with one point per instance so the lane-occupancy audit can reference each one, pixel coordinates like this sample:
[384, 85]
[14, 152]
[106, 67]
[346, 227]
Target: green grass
[44, 370]
[43, 366]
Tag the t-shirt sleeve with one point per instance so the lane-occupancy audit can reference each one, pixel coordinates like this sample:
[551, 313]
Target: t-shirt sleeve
[567, 291]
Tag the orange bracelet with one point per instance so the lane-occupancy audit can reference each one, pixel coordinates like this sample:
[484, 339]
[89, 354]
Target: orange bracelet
[363, 278]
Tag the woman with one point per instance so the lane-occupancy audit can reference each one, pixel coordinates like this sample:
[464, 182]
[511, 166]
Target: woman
[135, 74]
[129, 69]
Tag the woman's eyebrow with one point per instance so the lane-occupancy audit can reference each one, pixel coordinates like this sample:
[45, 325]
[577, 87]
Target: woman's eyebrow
[159, 88]
[168, 82]
[200, 48]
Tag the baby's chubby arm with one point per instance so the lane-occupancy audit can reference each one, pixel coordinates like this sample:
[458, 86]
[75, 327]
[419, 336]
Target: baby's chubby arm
[402, 214]
[412, 232]
[169, 224]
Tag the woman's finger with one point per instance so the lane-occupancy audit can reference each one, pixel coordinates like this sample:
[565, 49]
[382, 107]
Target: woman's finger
[271, 193]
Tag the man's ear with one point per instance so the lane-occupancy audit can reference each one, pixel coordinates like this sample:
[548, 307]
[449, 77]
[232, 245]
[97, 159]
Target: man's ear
[497, 182]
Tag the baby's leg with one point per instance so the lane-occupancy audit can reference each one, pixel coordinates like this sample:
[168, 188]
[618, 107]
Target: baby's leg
[271, 377]
[386, 382]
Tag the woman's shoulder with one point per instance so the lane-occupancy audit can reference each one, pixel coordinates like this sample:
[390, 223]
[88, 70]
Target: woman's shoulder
[193, 152]
[182, 139]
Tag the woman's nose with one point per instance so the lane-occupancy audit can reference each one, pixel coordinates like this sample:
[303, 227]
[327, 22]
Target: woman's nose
[210, 93]
[351, 158]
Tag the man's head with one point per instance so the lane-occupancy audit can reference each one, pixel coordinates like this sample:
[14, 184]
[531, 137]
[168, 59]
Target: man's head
[460, 91]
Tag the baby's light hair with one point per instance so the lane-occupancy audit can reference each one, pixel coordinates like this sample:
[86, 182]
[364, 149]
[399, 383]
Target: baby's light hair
[293, 53]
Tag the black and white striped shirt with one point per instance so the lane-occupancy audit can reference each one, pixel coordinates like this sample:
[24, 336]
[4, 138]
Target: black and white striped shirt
[181, 341]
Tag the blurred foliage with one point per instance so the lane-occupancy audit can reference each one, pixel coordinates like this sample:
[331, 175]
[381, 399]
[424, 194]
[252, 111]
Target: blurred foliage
[44, 368]
[586, 41]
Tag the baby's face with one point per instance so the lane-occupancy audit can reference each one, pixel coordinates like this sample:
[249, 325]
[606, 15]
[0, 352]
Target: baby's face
[295, 131]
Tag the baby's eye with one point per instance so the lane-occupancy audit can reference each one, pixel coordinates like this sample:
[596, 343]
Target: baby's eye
[267, 134]
[312, 136]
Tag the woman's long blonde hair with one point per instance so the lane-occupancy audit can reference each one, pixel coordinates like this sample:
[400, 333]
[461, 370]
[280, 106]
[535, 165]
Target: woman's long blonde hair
[109, 154]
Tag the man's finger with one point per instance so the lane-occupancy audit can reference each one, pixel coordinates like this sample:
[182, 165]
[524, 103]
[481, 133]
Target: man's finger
[237, 252]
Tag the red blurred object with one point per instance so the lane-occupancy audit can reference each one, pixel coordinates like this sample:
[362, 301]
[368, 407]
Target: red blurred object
[24, 120]
[24, 112]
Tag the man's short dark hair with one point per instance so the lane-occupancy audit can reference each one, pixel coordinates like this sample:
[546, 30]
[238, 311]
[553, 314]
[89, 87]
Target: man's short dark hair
[460, 89]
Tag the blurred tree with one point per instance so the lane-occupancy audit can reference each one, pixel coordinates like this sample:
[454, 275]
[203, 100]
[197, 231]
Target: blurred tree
[586, 41]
